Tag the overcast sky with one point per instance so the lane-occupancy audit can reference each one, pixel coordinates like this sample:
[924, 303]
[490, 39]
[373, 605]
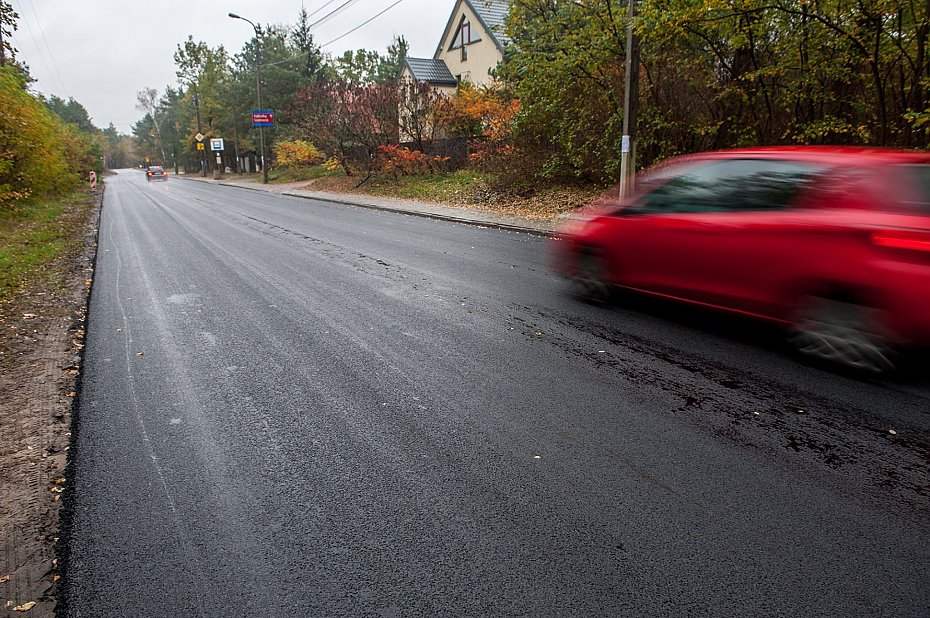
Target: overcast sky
[101, 52]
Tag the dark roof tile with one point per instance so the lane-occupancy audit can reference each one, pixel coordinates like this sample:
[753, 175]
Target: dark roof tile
[493, 13]
[430, 71]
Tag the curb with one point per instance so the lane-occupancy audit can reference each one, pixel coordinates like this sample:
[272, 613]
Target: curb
[426, 215]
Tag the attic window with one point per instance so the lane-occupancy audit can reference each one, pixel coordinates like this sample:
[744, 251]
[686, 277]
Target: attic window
[463, 37]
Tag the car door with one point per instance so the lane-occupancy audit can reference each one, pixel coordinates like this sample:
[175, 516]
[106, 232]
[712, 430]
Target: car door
[712, 230]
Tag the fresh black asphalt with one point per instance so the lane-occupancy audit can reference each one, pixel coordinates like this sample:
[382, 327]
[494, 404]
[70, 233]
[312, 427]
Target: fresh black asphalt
[300, 408]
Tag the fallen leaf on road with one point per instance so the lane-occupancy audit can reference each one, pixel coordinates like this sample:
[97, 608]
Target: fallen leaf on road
[72, 394]
[25, 607]
[55, 578]
[893, 432]
[29, 316]
[140, 353]
[4, 579]
[119, 330]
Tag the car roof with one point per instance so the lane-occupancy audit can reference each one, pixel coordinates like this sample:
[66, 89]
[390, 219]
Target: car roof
[859, 155]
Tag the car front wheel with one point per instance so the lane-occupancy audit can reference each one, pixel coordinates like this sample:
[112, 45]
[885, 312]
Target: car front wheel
[589, 281]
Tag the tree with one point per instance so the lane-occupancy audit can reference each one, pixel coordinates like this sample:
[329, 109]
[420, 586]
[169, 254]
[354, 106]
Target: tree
[370, 67]
[717, 74]
[71, 112]
[146, 102]
[203, 73]
[390, 65]
[349, 121]
[566, 68]
[8, 58]
[358, 67]
[118, 151]
[313, 67]
[39, 154]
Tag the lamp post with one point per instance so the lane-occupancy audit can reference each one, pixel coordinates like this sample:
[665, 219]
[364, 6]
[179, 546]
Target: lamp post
[258, 86]
[203, 163]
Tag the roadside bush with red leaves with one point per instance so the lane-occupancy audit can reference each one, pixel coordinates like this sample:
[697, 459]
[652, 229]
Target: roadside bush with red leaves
[401, 161]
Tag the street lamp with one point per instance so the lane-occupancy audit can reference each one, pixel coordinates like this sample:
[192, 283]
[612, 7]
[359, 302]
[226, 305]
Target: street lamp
[258, 85]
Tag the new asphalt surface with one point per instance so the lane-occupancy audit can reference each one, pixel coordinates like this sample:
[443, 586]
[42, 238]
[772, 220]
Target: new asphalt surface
[303, 408]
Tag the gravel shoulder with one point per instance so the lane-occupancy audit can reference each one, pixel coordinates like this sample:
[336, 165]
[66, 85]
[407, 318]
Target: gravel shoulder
[41, 343]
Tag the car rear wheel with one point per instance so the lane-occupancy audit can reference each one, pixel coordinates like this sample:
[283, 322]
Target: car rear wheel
[843, 332]
[589, 281]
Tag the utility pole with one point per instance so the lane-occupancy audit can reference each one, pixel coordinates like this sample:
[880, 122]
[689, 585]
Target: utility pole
[203, 163]
[236, 134]
[258, 87]
[630, 106]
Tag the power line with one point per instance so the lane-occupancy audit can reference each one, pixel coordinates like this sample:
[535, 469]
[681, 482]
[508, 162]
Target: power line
[325, 4]
[364, 23]
[341, 36]
[35, 44]
[48, 48]
[339, 9]
[323, 19]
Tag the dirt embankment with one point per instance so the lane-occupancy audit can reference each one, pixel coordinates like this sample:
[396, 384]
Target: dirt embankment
[41, 339]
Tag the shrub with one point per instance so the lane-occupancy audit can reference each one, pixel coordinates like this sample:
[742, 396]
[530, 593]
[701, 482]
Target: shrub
[39, 154]
[401, 161]
[298, 153]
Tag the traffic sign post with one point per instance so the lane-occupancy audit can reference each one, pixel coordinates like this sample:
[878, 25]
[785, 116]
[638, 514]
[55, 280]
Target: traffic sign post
[217, 146]
[262, 118]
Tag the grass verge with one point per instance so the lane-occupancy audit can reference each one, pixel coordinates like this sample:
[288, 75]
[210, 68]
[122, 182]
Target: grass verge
[300, 174]
[469, 189]
[36, 236]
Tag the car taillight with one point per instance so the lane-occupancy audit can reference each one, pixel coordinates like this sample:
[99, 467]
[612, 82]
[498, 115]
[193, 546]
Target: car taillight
[902, 239]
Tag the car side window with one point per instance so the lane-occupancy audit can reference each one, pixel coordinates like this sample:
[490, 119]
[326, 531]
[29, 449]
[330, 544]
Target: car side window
[733, 185]
[914, 185]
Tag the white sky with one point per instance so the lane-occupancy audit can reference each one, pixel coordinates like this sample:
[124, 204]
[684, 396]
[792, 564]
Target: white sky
[102, 52]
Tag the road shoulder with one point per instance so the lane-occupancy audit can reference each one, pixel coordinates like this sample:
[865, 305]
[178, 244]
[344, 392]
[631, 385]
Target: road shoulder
[41, 338]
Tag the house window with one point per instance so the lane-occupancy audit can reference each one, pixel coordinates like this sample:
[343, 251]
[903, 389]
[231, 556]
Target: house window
[463, 38]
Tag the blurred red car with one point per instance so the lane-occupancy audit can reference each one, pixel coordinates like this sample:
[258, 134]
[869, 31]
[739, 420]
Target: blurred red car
[833, 243]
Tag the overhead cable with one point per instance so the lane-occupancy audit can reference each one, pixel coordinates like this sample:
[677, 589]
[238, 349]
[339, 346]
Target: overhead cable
[364, 23]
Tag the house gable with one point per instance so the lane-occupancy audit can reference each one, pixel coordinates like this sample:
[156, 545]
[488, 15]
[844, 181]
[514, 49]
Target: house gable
[470, 46]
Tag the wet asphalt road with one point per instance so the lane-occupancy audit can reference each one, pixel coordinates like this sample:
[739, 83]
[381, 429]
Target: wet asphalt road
[296, 408]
